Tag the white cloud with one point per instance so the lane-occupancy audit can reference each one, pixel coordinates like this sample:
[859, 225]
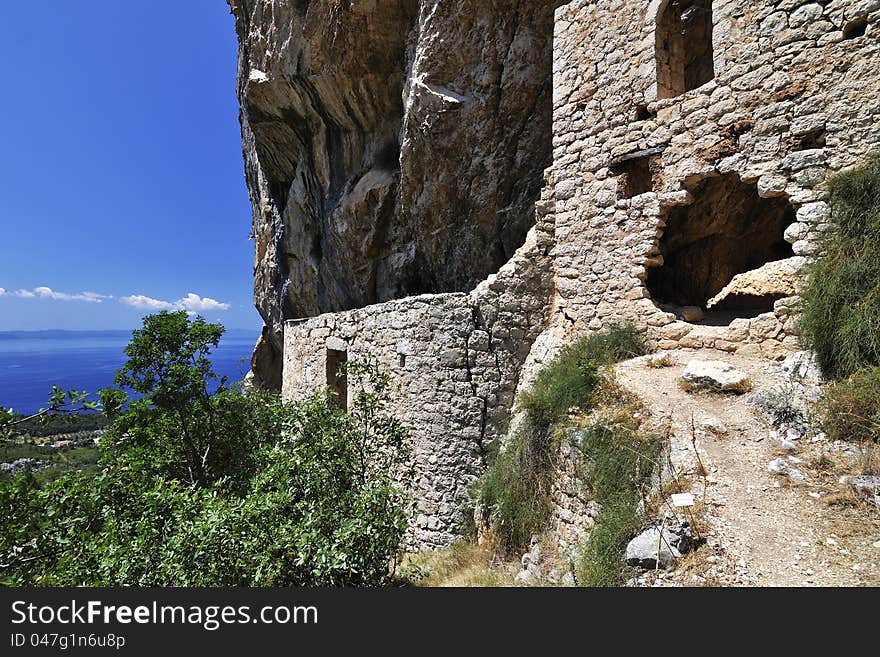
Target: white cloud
[192, 303]
[49, 293]
[43, 292]
[195, 303]
[146, 303]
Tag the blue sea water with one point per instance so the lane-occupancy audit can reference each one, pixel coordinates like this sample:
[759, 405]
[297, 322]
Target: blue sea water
[32, 361]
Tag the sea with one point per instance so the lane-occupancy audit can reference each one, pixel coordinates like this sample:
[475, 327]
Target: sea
[31, 362]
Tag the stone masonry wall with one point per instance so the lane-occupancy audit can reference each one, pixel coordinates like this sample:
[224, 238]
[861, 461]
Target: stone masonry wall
[456, 358]
[791, 101]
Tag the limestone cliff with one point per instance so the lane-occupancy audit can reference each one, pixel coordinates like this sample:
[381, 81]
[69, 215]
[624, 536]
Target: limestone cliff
[392, 147]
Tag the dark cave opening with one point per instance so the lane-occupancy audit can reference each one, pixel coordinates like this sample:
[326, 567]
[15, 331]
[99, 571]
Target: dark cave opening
[727, 230]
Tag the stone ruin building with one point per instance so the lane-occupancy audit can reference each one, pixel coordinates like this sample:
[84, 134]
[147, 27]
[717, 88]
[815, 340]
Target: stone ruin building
[457, 188]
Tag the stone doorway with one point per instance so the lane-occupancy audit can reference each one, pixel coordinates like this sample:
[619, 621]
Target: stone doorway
[337, 376]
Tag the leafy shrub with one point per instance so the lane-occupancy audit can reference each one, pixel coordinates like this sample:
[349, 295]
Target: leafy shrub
[850, 409]
[515, 491]
[840, 314]
[619, 461]
[64, 408]
[235, 489]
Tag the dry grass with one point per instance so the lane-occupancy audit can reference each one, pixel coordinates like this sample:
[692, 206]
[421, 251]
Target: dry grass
[822, 462]
[698, 517]
[842, 497]
[855, 525]
[696, 564]
[868, 463]
[660, 360]
[743, 388]
[463, 565]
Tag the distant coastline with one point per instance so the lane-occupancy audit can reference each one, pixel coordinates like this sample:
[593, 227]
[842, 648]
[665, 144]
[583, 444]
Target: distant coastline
[31, 362]
[61, 333]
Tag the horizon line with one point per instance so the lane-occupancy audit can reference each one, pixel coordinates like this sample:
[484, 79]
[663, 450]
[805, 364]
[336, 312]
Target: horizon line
[103, 330]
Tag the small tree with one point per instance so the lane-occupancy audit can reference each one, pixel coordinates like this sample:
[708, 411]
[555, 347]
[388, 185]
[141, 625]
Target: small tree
[168, 363]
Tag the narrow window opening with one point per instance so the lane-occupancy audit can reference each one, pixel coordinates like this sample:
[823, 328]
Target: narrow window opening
[337, 376]
[855, 29]
[685, 58]
[813, 139]
[638, 173]
[402, 361]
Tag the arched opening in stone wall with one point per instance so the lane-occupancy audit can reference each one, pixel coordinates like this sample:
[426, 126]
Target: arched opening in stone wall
[684, 46]
[714, 253]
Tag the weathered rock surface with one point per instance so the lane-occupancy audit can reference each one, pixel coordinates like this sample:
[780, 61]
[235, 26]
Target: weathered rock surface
[714, 425]
[714, 375]
[653, 546]
[392, 148]
[775, 279]
[868, 487]
[802, 366]
[389, 150]
[782, 467]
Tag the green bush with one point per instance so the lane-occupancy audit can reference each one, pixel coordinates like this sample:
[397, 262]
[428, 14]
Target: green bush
[840, 313]
[515, 491]
[619, 461]
[571, 379]
[850, 409]
[235, 489]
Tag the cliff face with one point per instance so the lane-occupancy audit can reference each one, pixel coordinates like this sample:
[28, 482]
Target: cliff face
[392, 147]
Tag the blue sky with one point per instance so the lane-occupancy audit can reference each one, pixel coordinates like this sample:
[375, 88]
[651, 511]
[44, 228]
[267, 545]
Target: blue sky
[121, 178]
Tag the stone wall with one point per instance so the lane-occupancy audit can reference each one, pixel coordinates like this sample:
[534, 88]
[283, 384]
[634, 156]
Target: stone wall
[574, 512]
[456, 358]
[791, 101]
[720, 184]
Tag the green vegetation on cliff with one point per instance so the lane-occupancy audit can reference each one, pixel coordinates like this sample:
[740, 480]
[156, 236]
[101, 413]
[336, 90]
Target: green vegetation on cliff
[840, 314]
[515, 492]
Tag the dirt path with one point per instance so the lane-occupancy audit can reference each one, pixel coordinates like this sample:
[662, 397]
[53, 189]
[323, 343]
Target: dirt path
[765, 529]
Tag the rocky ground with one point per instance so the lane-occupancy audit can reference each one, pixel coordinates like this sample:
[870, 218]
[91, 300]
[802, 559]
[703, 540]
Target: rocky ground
[775, 504]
